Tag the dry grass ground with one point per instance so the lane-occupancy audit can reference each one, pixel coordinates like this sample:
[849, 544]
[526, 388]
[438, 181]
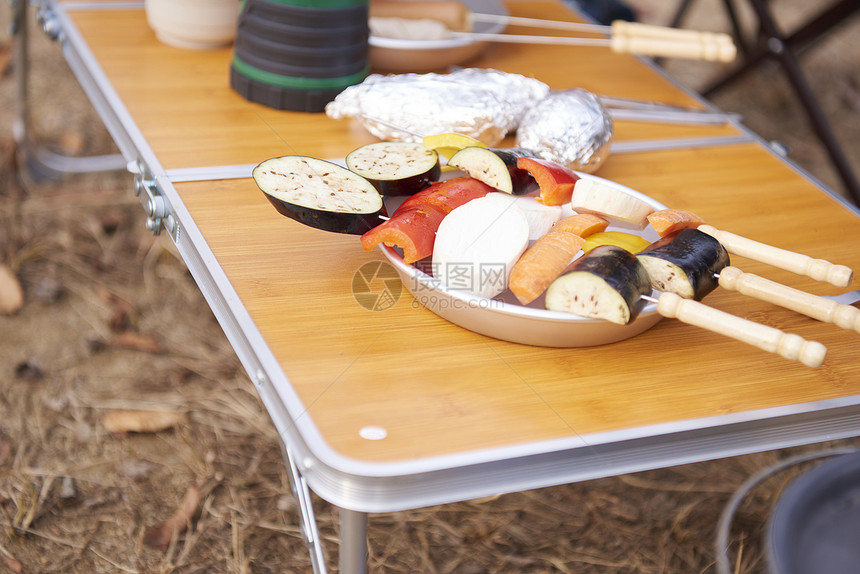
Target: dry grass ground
[114, 322]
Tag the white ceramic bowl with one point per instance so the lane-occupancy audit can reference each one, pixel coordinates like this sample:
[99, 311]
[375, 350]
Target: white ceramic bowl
[504, 318]
[419, 56]
[193, 24]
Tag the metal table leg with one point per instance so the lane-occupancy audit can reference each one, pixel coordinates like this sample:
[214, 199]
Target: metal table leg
[353, 527]
[40, 162]
[306, 512]
[353, 542]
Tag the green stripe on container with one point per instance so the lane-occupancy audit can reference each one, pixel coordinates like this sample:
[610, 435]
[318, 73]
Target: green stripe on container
[322, 4]
[280, 81]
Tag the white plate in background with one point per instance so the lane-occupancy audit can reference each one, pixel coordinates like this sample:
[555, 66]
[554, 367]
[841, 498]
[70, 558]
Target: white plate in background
[419, 56]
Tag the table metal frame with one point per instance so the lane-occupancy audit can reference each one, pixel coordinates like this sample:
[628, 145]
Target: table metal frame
[356, 488]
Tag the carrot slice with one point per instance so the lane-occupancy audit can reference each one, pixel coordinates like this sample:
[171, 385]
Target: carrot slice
[582, 224]
[667, 221]
[542, 263]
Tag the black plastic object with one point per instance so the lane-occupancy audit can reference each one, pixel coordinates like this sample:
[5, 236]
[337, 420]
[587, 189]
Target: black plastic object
[249, 46]
[309, 14]
[815, 527]
[299, 54]
[311, 37]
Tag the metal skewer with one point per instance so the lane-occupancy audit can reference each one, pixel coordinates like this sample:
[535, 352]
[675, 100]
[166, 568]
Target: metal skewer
[624, 37]
[538, 23]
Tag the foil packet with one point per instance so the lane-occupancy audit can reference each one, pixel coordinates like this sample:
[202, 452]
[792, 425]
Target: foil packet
[485, 104]
[569, 127]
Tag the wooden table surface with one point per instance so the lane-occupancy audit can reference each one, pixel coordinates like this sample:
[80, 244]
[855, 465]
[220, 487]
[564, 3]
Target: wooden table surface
[437, 389]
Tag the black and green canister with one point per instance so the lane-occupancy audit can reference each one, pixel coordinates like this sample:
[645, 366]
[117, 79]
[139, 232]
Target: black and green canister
[299, 54]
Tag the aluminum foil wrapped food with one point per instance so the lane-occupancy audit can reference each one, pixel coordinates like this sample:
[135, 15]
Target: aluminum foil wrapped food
[569, 127]
[485, 104]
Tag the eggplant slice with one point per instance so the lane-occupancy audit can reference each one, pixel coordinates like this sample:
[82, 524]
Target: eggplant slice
[496, 167]
[320, 194]
[396, 168]
[607, 283]
[687, 263]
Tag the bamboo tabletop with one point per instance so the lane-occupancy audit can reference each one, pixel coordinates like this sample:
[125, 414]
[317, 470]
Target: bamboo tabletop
[183, 105]
[438, 389]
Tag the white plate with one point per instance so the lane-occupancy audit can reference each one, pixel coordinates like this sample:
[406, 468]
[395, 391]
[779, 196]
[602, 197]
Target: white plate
[504, 318]
[418, 56]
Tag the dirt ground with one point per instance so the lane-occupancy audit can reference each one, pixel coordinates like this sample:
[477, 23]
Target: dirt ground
[113, 324]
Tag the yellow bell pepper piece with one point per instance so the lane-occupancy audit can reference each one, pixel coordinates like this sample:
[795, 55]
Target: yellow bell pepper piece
[448, 144]
[629, 241]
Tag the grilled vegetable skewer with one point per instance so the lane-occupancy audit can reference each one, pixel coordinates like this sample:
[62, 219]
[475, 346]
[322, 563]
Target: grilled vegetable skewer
[612, 284]
[686, 262]
[668, 221]
[691, 263]
[818, 269]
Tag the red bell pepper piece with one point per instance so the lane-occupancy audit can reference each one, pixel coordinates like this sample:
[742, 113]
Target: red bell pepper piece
[413, 226]
[555, 181]
[412, 229]
[450, 193]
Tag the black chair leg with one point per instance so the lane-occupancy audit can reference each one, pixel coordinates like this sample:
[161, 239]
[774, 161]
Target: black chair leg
[779, 49]
[773, 45]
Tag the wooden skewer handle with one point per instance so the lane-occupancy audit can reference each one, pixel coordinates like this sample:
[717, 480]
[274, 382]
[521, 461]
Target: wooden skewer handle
[647, 40]
[766, 338]
[821, 308]
[818, 269]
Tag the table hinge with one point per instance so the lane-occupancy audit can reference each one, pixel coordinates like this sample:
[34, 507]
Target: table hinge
[50, 24]
[157, 210]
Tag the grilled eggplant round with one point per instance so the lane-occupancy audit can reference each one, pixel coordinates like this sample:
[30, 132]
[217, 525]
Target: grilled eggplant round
[320, 194]
[396, 168]
[606, 283]
[496, 167]
[686, 263]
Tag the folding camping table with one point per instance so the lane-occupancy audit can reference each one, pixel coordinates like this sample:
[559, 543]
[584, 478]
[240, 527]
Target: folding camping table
[399, 409]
